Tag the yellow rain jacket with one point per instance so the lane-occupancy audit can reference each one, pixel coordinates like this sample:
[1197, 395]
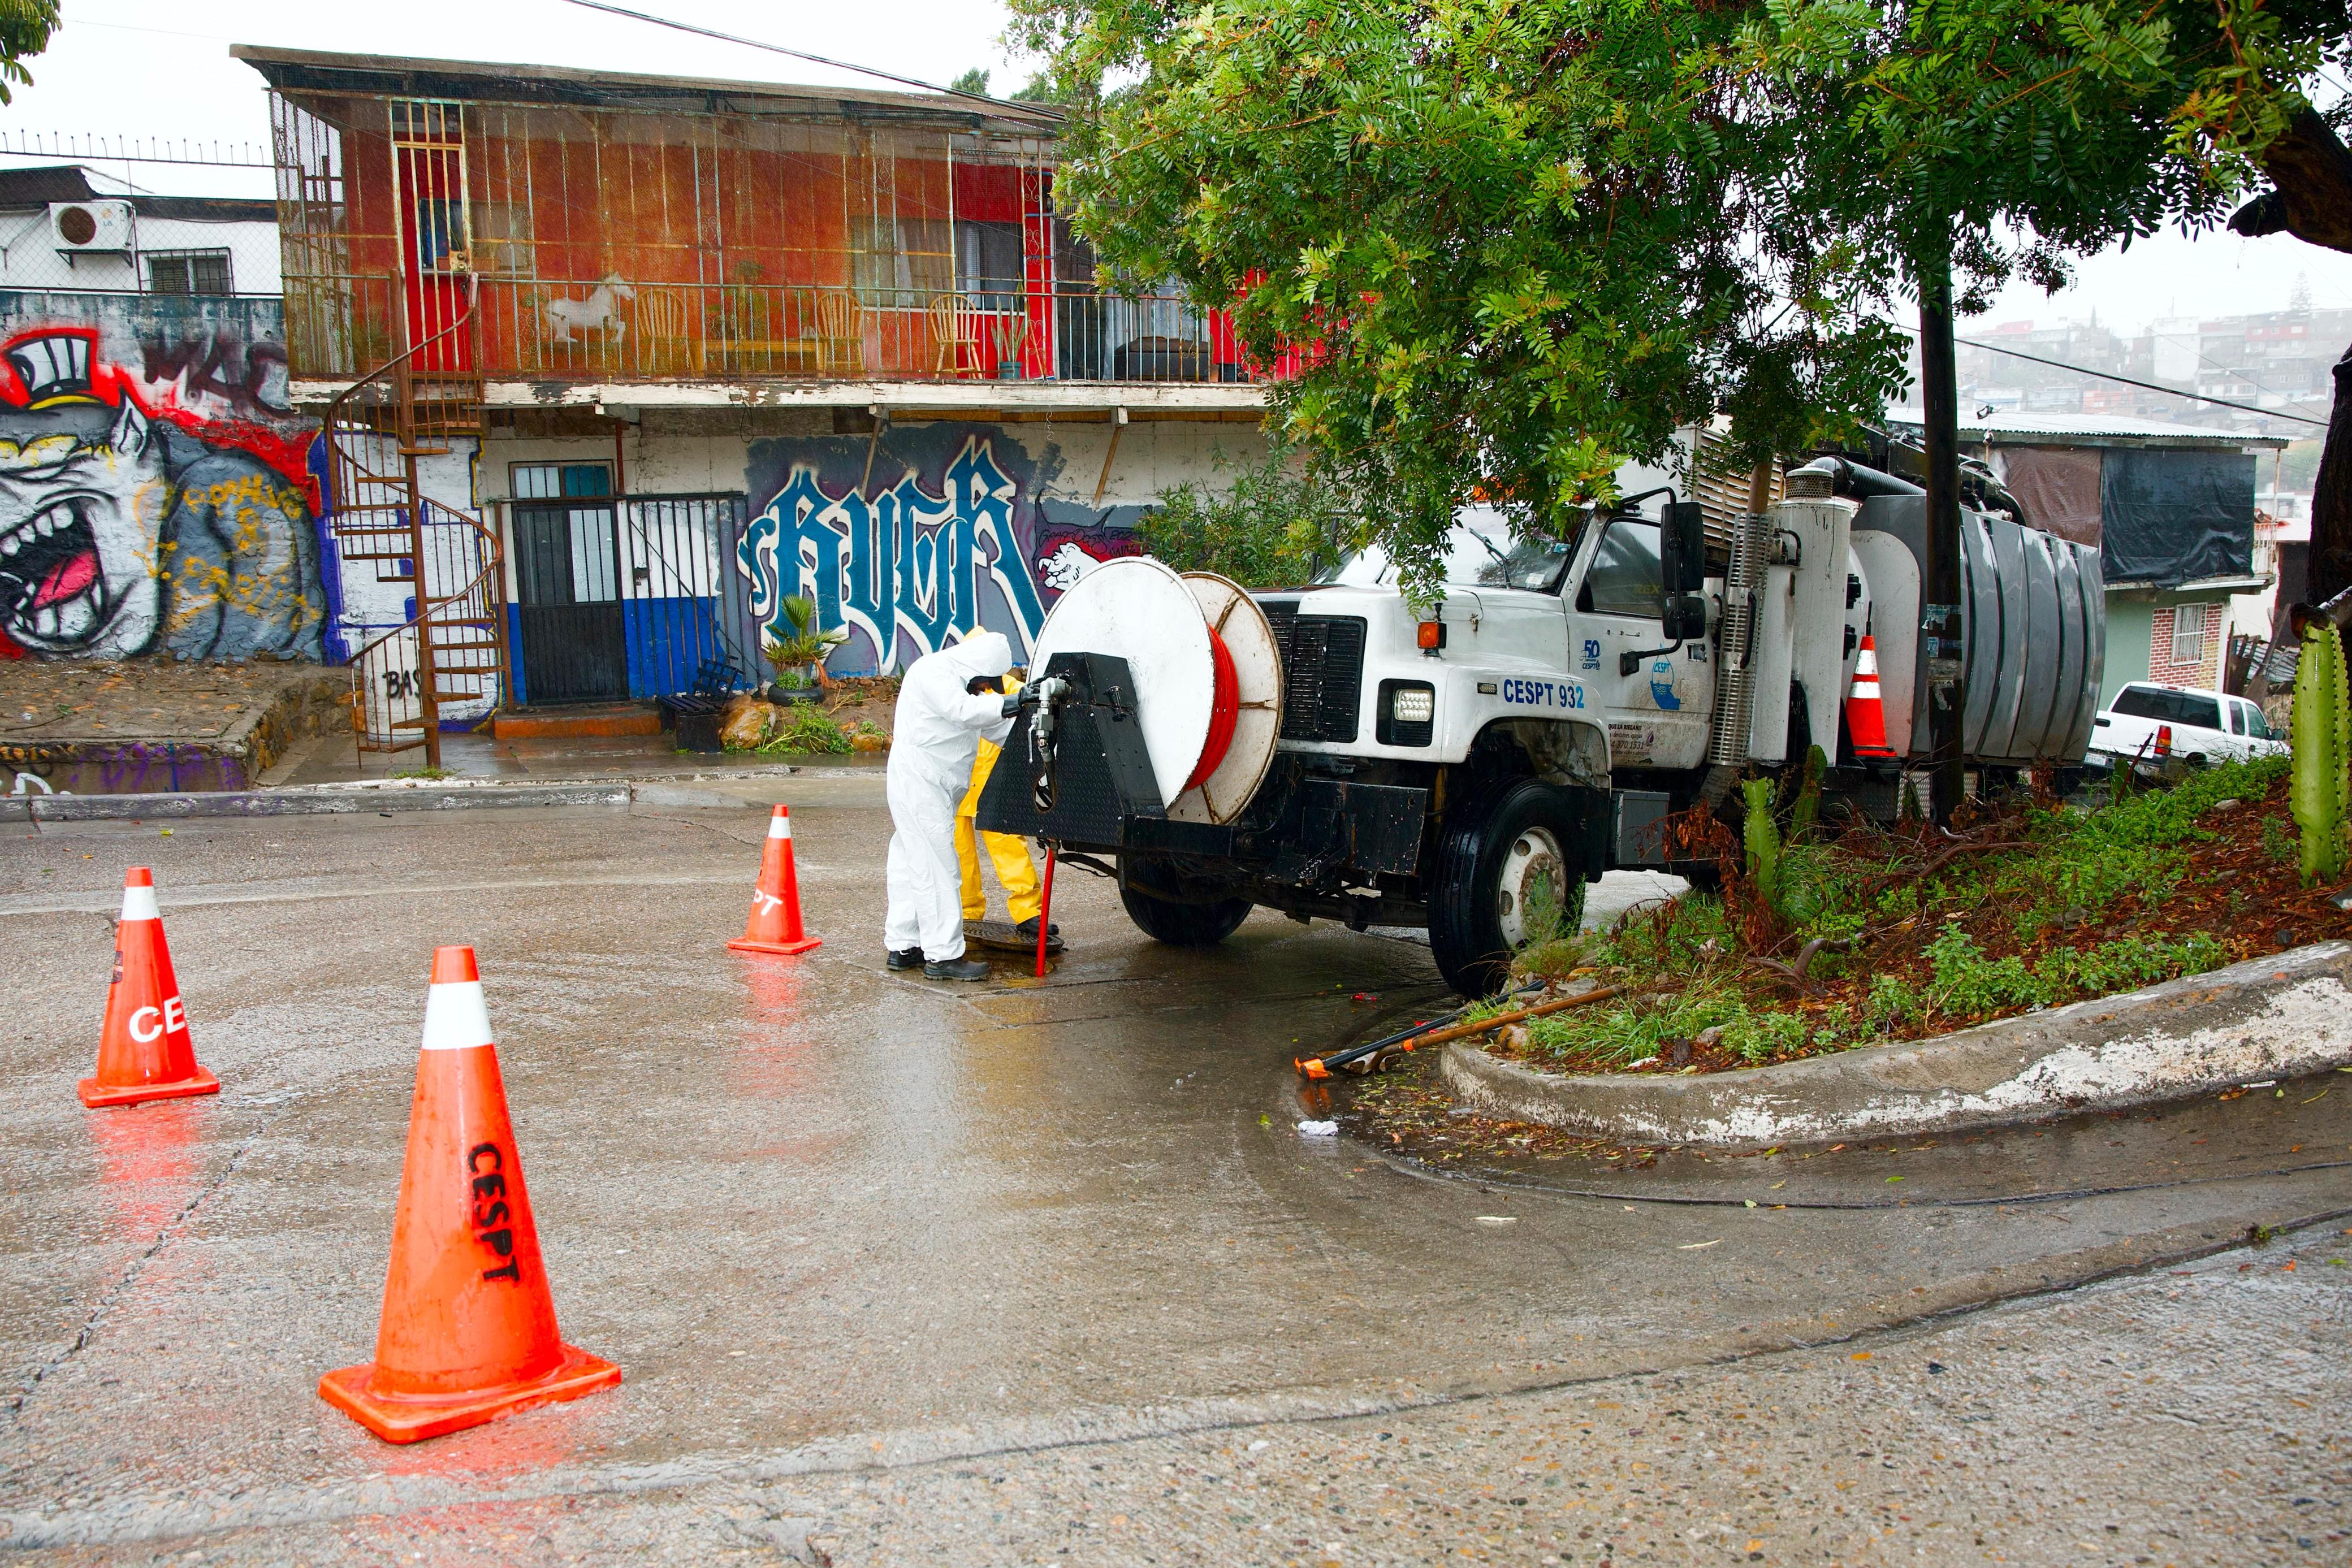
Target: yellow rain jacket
[1015, 872]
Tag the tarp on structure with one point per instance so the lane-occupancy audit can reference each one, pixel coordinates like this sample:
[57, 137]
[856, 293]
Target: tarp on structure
[2058, 487]
[2170, 516]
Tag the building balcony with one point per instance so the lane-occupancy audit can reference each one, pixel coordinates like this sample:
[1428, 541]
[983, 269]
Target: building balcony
[653, 344]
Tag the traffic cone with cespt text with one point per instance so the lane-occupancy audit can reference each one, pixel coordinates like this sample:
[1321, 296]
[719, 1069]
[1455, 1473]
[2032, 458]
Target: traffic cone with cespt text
[467, 1332]
[775, 923]
[1866, 714]
[143, 1049]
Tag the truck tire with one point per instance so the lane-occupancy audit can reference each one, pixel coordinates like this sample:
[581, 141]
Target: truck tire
[1488, 864]
[1178, 922]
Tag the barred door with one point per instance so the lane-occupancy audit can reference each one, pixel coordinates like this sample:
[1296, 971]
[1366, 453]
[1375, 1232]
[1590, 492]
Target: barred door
[428, 155]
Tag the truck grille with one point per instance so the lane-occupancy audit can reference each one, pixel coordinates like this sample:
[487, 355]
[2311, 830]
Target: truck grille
[1322, 671]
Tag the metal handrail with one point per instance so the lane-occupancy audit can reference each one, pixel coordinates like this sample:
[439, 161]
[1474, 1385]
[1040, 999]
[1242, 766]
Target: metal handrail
[478, 601]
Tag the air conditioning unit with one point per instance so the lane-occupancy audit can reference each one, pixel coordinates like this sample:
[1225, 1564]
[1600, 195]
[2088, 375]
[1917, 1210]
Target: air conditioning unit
[90, 225]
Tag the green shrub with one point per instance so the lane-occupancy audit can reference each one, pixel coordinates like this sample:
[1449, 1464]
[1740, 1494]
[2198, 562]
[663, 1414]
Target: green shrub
[1271, 529]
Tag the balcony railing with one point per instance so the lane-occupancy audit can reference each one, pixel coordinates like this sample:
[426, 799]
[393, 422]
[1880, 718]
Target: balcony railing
[616, 330]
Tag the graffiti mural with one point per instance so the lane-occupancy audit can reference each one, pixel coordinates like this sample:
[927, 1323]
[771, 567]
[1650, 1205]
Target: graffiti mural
[950, 543]
[158, 510]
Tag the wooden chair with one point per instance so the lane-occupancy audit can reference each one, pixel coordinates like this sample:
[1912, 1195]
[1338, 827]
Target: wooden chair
[837, 325]
[665, 344]
[952, 333]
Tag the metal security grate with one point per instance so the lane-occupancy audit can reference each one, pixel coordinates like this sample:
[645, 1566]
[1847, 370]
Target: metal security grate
[1322, 671]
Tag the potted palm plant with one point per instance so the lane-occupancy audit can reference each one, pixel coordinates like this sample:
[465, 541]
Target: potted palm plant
[798, 657]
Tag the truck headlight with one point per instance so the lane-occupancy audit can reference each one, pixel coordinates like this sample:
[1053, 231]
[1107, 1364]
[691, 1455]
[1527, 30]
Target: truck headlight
[1406, 712]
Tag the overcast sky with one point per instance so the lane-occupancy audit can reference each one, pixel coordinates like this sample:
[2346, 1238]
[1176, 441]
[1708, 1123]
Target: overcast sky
[161, 69]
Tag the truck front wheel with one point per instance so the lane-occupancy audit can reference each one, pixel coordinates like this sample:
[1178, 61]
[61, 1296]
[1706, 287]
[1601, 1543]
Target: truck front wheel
[1503, 876]
[1165, 910]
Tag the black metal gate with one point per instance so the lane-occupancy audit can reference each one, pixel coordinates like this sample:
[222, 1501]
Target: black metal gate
[567, 565]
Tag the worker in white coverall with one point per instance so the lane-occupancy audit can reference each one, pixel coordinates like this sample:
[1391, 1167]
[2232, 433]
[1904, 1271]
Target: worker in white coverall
[934, 738]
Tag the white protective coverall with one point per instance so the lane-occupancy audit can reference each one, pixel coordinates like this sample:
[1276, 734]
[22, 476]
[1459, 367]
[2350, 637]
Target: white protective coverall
[934, 738]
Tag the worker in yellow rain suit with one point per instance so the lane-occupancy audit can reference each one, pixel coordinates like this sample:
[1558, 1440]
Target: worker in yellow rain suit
[1015, 872]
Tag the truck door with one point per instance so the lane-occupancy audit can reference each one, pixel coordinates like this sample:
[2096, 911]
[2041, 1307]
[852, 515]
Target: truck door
[1658, 712]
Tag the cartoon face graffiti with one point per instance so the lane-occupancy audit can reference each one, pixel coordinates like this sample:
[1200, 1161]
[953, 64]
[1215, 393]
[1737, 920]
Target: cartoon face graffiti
[83, 512]
[1062, 569]
[120, 533]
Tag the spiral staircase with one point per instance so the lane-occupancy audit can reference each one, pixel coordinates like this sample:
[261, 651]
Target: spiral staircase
[446, 664]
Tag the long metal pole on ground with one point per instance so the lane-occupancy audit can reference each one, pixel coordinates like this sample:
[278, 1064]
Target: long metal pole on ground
[1941, 627]
[429, 699]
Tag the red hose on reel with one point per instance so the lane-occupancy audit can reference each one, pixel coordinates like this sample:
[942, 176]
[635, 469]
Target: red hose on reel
[1225, 711]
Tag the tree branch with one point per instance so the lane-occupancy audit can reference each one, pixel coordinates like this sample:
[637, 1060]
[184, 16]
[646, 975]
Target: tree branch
[2311, 171]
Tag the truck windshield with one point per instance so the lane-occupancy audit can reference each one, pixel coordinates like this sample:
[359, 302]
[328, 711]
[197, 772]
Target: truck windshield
[1475, 558]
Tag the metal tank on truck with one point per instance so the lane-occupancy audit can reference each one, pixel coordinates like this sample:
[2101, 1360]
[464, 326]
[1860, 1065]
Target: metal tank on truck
[1334, 751]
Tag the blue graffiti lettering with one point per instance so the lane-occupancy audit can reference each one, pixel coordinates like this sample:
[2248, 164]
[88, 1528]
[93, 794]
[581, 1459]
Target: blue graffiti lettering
[903, 567]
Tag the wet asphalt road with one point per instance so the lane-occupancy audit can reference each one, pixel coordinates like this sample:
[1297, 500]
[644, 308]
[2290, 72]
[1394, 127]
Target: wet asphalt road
[827, 1220]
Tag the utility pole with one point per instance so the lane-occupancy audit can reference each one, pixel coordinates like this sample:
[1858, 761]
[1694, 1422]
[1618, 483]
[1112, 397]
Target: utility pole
[1942, 631]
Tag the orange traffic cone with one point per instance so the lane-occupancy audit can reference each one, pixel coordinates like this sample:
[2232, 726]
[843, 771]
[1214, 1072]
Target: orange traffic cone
[1865, 715]
[143, 1050]
[775, 923]
[467, 1332]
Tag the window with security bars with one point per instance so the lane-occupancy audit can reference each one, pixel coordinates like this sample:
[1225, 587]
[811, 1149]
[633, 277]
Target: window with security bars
[189, 272]
[555, 481]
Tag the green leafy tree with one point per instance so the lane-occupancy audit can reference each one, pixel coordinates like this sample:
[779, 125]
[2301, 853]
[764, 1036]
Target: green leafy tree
[974, 80]
[24, 29]
[1270, 529]
[1526, 238]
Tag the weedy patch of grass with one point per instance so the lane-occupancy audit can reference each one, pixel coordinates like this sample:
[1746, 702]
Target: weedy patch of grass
[806, 727]
[1863, 935]
[422, 773]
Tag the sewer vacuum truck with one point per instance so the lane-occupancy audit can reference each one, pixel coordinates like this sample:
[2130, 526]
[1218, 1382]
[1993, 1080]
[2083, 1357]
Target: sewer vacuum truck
[1335, 751]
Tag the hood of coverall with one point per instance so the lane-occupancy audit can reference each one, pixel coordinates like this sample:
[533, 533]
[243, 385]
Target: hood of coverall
[985, 654]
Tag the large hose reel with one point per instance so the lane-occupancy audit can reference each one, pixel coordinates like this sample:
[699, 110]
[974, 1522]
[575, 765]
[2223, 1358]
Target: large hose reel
[1207, 678]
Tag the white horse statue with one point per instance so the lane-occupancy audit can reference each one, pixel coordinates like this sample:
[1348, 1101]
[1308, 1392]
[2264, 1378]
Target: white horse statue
[595, 314]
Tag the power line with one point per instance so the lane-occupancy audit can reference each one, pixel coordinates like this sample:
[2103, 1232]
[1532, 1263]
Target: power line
[995, 103]
[2126, 380]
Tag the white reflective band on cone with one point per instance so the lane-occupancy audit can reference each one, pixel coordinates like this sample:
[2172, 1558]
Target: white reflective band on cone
[138, 904]
[455, 1016]
[780, 826]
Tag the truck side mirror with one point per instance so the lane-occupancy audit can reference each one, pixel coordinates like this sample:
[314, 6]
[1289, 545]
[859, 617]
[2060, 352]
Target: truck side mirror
[1682, 547]
[1686, 617]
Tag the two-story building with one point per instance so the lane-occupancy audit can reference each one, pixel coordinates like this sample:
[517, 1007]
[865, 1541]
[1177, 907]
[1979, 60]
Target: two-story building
[685, 346]
[2171, 509]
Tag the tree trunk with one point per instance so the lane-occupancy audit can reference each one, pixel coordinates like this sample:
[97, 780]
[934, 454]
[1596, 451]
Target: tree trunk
[2331, 497]
[2312, 171]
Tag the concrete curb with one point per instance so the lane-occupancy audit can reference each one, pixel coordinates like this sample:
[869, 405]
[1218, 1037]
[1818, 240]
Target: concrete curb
[303, 803]
[2267, 1017]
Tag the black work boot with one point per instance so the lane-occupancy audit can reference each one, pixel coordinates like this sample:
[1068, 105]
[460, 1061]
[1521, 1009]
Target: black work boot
[1027, 929]
[904, 958]
[955, 969]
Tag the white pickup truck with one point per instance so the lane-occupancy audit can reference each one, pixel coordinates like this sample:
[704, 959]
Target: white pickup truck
[1463, 767]
[2148, 722]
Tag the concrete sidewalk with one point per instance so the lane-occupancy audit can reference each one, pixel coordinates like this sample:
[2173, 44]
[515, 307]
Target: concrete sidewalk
[142, 726]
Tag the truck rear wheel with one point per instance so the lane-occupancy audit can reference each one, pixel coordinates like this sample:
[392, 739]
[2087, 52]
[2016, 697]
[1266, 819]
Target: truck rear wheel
[1499, 874]
[1165, 910]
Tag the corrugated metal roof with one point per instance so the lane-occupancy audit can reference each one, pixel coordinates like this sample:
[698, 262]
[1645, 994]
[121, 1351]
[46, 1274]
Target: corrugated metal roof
[2093, 428]
[318, 70]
